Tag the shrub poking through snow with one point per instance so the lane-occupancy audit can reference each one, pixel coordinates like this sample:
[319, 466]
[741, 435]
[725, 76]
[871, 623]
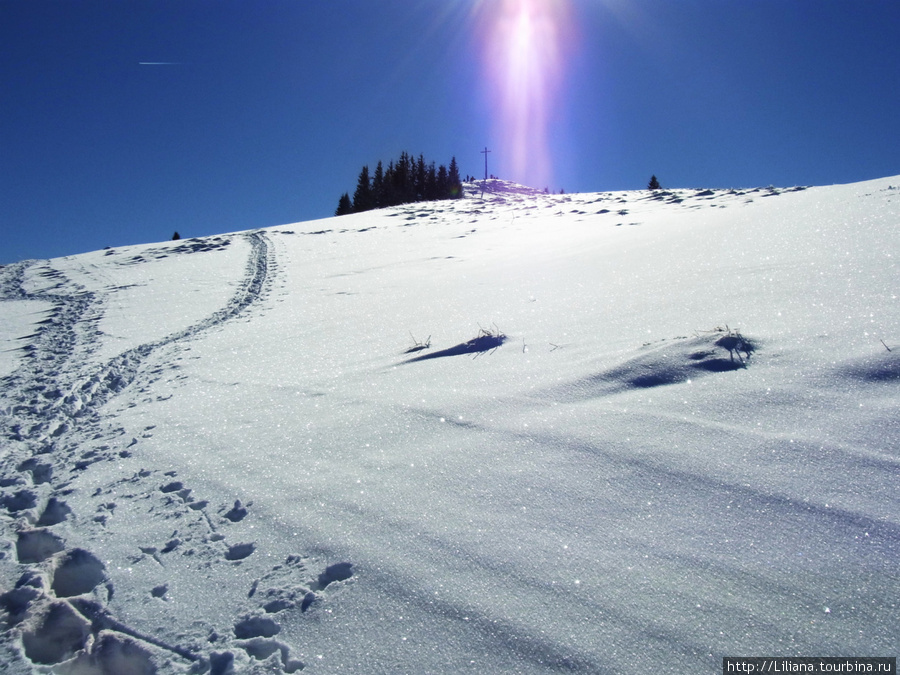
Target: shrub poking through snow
[418, 346]
[485, 341]
[735, 343]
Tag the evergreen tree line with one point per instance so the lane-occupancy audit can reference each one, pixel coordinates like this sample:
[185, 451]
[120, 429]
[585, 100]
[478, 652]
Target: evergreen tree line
[404, 181]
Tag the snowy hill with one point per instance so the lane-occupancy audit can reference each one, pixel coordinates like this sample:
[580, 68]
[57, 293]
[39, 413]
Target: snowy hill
[603, 433]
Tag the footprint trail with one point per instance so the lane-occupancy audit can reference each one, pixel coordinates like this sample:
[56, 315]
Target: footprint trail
[58, 597]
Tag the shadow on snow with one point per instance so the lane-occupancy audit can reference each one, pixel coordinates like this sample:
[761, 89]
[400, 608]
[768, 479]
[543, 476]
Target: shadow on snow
[484, 342]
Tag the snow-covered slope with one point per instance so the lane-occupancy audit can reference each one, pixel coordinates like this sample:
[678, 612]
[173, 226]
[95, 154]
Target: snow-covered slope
[515, 433]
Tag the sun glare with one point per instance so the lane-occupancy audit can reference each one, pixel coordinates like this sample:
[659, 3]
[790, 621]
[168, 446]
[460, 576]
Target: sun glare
[525, 47]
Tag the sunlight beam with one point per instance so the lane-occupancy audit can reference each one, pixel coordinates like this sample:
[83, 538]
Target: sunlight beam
[526, 45]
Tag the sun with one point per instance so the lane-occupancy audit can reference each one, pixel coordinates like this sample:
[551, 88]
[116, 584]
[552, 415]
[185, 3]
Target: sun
[526, 44]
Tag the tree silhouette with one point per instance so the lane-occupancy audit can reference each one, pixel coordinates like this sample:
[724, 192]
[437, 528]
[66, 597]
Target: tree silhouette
[404, 181]
[654, 184]
[378, 193]
[443, 188]
[421, 175]
[390, 192]
[344, 207]
[404, 185]
[453, 181]
[363, 200]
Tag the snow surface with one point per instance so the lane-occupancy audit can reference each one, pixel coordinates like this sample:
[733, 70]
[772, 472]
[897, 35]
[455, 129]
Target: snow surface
[676, 439]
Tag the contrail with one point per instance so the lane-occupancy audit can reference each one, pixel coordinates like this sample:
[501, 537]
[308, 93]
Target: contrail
[159, 63]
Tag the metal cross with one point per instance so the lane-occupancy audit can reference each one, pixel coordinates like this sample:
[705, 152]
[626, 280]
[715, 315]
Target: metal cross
[485, 153]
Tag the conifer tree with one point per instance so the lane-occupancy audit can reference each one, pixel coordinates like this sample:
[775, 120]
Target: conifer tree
[420, 179]
[406, 171]
[390, 189]
[362, 197]
[344, 206]
[443, 185]
[453, 180]
[378, 194]
[400, 176]
[431, 183]
[653, 184]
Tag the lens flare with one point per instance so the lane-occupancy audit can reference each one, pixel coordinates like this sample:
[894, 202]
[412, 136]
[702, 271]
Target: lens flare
[526, 43]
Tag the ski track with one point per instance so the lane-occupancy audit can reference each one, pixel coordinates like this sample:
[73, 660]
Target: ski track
[56, 606]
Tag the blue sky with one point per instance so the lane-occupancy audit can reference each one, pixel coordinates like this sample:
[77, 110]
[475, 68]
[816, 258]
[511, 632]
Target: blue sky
[269, 109]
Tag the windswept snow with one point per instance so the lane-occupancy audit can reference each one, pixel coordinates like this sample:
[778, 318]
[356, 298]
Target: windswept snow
[513, 433]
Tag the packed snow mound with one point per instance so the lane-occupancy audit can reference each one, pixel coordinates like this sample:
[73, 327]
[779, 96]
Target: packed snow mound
[498, 186]
[681, 360]
[516, 432]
